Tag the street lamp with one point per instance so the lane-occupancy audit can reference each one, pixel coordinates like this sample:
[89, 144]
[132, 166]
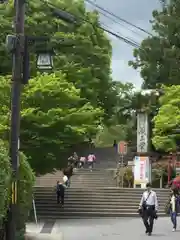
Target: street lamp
[44, 61]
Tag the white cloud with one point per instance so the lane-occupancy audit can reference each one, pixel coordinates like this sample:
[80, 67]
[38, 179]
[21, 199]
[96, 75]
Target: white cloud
[121, 72]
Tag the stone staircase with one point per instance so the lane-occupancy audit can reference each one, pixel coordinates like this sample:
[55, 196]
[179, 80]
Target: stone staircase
[102, 202]
[92, 194]
[98, 178]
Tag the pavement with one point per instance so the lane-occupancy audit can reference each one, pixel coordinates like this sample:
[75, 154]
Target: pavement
[103, 229]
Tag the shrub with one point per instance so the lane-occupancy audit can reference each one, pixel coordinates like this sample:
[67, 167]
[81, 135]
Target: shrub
[26, 180]
[128, 177]
[5, 180]
[25, 190]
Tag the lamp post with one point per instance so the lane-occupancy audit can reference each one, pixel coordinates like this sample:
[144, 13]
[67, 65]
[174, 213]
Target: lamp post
[15, 114]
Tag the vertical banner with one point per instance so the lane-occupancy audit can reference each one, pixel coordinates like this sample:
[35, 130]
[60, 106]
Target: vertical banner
[142, 133]
[142, 170]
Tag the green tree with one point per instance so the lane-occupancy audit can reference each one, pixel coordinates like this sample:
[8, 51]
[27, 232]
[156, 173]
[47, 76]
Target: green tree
[82, 50]
[124, 104]
[53, 118]
[158, 56]
[107, 135]
[167, 120]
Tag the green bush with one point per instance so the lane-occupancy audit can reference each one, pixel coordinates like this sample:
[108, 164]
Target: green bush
[25, 185]
[25, 190]
[5, 180]
[128, 177]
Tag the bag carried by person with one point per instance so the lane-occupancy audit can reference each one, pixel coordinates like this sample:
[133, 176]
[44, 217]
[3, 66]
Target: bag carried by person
[144, 205]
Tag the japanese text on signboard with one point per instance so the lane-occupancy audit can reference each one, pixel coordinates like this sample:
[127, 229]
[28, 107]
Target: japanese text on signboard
[142, 132]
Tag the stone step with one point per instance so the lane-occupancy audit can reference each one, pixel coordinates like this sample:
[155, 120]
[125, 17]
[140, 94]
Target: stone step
[118, 188]
[97, 195]
[88, 215]
[91, 178]
[97, 198]
[104, 189]
[54, 207]
[57, 211]
[94, 201]
[92, 216]
[93, 193]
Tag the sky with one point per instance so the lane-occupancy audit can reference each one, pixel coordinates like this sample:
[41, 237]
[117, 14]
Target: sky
[138, 12]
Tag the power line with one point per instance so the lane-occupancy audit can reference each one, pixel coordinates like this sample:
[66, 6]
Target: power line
[120, 37]
[117, 17]
[124, 39]
[118, 22]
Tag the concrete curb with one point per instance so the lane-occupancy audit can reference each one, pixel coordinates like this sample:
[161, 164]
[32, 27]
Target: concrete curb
[43, 236]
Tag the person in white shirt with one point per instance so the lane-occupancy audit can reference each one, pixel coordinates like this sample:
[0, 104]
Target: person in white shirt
[65, 180]
[148, 208]
[60, 190]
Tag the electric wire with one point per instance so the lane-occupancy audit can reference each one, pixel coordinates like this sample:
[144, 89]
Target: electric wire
[117, 17]
[124, 39]
[119, 23]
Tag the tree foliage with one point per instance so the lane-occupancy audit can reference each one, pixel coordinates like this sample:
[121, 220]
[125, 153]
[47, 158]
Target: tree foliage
[107, 135]
[122, 124]
[53, 118]
[158, 56]
[82, 50]
[167, 120]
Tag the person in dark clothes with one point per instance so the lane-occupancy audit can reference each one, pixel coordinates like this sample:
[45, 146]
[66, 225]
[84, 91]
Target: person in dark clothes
[148, 208]
[60, 189]
[115, 144]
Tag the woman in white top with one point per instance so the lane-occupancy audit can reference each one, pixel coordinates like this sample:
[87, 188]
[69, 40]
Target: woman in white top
[82, 161]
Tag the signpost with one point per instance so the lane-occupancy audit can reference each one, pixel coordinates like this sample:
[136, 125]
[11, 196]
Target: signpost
[122, 150]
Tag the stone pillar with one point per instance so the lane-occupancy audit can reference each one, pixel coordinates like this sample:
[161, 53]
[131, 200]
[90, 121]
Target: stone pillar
[142, 161]
[142, 132]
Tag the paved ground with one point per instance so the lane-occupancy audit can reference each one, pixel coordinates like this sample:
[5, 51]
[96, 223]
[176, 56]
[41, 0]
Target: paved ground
[102, 229]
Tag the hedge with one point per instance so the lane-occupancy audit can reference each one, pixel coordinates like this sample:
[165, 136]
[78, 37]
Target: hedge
[25, 191]
[26, 179]
[5, 180]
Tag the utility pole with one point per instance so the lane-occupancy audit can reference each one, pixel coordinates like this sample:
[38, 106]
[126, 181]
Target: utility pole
[13, 212]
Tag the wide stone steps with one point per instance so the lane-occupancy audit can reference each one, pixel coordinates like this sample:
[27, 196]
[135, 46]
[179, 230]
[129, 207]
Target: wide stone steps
[97, 178]
[98, 202]
[91, 194]
[81, 178]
